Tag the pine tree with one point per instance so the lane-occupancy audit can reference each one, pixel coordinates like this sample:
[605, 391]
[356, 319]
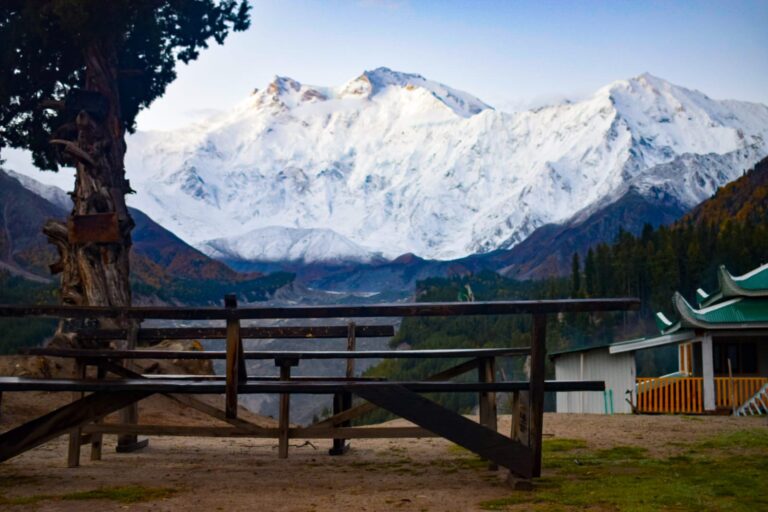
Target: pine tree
[575, 275]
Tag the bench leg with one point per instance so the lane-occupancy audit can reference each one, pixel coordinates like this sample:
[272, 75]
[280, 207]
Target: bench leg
[284, 421]
[341, 402]
[96, 438]
[487, 400]
[75, 435]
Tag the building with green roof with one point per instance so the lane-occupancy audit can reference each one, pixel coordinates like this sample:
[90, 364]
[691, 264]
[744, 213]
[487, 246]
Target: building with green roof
[722, 353]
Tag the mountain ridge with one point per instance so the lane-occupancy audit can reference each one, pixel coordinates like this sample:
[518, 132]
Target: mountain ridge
[396, 163]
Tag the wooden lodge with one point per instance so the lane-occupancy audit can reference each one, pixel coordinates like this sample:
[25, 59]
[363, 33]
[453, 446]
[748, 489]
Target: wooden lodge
[722, 348]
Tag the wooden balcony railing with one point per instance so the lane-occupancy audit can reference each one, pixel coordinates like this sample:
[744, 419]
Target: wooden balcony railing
[685, 394]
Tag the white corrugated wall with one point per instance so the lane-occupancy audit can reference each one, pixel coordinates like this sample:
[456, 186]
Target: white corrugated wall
[618, 372]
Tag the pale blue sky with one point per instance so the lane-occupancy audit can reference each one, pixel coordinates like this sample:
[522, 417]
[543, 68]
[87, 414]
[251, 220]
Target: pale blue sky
[511, 54]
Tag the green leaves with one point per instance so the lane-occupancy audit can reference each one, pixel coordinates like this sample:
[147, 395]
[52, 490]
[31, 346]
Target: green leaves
[42, 45]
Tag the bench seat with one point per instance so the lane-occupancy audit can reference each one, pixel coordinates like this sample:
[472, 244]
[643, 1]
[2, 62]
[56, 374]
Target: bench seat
[280, 354]
[206, 386]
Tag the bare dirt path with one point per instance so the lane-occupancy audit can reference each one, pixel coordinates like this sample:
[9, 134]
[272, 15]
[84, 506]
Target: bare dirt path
[241, 474]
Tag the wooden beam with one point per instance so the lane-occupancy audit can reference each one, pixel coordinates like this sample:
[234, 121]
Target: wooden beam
[94, 354]
[97, 439]
[284, 414]
[365, 408]
[207, 387]
[49, 426]
[73, 452]
[129, 443]
[487, 400]
[466, 433]
[266, 433]
[340, 311]
[234, 351]
[536, 390]
[219, 333]
[190, 401]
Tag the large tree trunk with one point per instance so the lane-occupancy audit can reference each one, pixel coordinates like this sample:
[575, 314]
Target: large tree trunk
[95, 271]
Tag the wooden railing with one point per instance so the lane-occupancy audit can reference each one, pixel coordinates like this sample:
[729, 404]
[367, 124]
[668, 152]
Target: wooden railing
[743, 389]
[670, 395]
[685, 394]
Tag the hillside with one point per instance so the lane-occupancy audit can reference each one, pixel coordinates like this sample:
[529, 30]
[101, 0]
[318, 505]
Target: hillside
[164, 268]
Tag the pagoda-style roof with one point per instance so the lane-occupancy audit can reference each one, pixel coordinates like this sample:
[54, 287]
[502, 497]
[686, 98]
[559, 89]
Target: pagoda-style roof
[751, 284]
[735, 313]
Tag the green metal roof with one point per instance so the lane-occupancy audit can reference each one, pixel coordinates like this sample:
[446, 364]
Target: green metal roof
[751, 284]
[732, 313]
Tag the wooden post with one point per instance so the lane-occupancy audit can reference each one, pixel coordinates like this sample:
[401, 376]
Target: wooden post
[487, 400]
[536, 397]
[234, 357]
[73, 453]
[285, 412]
[127, 443]
[708, 374]
[343, 401]
[731, 390]
[96, 438]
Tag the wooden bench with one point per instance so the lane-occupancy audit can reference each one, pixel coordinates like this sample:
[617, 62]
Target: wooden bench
[520, 452]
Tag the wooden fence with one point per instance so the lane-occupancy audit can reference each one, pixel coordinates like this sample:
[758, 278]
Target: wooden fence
[685, 394]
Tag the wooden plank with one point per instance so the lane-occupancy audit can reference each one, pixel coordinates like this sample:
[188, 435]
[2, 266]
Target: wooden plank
[73, 415]
[456, 428]
[234, 351]
[339, 311]
[266, 433]
[301, 387]
[536, 390]
[220, 333]
[94, 354]
[93, 228]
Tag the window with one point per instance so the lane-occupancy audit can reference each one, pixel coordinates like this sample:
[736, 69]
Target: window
[743, 356]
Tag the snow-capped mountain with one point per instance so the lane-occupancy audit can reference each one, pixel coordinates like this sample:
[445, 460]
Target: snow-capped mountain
[276, 243]
[392, 163]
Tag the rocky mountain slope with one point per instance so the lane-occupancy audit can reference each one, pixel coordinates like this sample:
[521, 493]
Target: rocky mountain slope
[393, 163]
[163, 266]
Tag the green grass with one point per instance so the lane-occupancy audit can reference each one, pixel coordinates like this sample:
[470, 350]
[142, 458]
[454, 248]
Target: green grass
[725, 473]
[126, 494]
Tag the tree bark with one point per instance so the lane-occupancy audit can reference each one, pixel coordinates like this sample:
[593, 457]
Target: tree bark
[97, 273]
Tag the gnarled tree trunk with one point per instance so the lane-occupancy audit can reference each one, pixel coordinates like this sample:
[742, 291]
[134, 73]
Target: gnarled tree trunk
[94, 256]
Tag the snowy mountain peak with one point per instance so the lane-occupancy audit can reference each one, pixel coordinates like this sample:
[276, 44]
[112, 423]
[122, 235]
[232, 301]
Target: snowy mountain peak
[395, 163]
[275, 243]
[377, 81]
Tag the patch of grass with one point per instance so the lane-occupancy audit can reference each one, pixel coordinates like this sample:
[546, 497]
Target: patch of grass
[623, 453]
[710, 476]
[752, 439]
[23, 500]
[562, 445]
[126, 494]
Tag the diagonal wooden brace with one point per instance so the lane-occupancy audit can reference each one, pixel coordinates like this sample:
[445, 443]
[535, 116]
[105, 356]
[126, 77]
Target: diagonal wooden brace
[62, 420]
[476, 438]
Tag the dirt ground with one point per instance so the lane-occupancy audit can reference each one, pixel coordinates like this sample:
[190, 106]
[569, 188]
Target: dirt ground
[245, 474]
